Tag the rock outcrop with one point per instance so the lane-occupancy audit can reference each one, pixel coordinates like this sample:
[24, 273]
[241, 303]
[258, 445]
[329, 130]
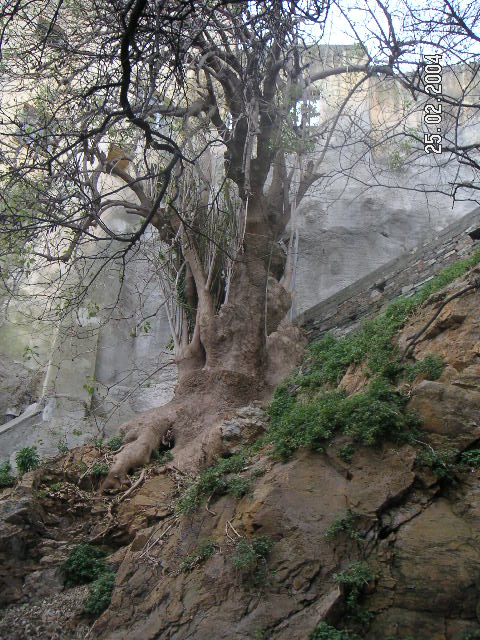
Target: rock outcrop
[418, 534]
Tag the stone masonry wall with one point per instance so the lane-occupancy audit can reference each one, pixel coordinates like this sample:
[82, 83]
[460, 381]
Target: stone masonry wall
[345, 310]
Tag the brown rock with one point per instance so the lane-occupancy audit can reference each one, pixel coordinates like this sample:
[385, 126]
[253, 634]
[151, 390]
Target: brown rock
[448, 410]
[437, 563]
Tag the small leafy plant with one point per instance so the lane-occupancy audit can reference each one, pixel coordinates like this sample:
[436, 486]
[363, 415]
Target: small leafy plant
[430, 367]
[343, 524]
[6, 477]
[215, 481]
[162, 457]
[99, 469]
[27, 459]
[84, 564]
[346, 452]
[470, 458]
[354, 579]
[249, 558]
[202, 553]
[443, 462]
[115, 442]
[324, 631]
[99, 594]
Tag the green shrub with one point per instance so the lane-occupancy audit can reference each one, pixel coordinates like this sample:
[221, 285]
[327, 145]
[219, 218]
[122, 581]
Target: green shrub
[473, 634]
[366, 417]
[431, 367]
[354, 579]
[470, 458]
[27, 459]
[443, 462]
[344, 523]
[324, 631]
[99, 469]
[202, 553]
[84, 564]
[249, 558]
[215, 481]
[98, 442]
[115, 442]
[6, 478]
[346, 452]
[99, 594]
[162, 457]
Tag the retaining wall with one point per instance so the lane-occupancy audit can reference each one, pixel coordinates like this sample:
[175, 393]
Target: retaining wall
[404, 275]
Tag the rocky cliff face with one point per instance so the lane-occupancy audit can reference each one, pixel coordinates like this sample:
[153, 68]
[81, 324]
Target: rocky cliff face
[385, 545]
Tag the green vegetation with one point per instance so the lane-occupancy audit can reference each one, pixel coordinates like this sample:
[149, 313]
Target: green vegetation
[367, 417]
[162, 457]
[202, 553]
[215, 481]
[249, 558]
[99, 469]
[354, 579]
[474, 634]
[62, 445]
[470, 458]
[115, 442]
[430, 367]
[98, 442]
[6, 477]
[446, 463]
[27, 459]
[308, 411]
[99, 594]
[344, 523]
[442, 462]
[84, 564]
[324, 631]
[346, 452]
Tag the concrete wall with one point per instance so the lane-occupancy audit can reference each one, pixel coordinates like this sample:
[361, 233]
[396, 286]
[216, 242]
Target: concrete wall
[404, 275]
[380, 194]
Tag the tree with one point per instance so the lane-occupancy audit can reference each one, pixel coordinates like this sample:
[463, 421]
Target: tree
[203, 111]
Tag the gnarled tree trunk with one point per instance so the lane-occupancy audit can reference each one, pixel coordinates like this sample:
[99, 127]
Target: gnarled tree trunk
[226, 365]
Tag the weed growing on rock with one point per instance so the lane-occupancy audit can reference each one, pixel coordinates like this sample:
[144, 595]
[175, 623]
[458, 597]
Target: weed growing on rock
[470, 635]
[353, 580]
[250, 558]
[346, 452]
[443, 462]
[430, 367]
[99, 594]
[307, 410]
[115, 442]
[162, 457]
[470, 458]
[27, 459]
[99, 469]
[324, 631]
[344, 523]
[202, 553]
[84, 564]
[446, 463]
[215, 481]
[367, 417]
[6, 477]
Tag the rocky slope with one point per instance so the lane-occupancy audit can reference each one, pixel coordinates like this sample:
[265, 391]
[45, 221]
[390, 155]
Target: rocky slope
[384, 546]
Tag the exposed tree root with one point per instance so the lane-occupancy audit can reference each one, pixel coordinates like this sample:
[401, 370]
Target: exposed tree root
[412, 340]
[203, 399]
